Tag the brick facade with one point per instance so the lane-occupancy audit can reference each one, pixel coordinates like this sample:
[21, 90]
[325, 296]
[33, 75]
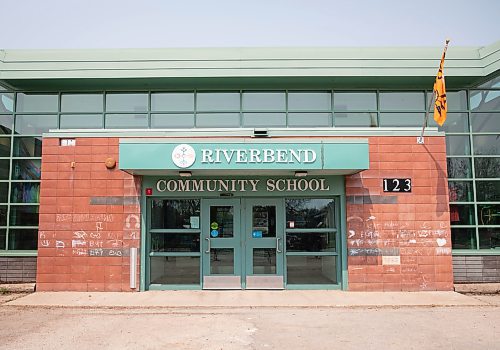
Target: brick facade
[17, 269]
[89, 218]
[413, 228]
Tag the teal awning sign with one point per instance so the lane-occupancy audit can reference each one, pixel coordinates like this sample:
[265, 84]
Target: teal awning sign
[140, 155]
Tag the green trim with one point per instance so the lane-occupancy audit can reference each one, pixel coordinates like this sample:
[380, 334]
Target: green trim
[18, 253]
[174, 287]
[314, 287]
[475, 252]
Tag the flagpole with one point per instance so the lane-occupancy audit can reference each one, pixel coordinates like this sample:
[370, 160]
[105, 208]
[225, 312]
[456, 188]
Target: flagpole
[420, 139]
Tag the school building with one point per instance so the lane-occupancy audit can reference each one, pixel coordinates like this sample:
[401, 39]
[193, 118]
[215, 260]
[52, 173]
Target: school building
[248, 168]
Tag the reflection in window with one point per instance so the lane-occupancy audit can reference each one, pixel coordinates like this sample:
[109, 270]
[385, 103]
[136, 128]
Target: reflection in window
[217, 120]
[121, 102]
[82, 121]
[264, 119]
[6, 103]
[488, 214]
[356, 119]
[264, 101]
[402, 101]
[457, 145]
[461, 191]
[310, 213]
[311, 241]
[23, 215]
[172, 102]
[3, 215]
[4, 192]
[462, 214]
[309, 119]
[172, 120]
[126, 121]
[309, 101]
[221, 261]
[489, 238]
[26, 169]
[401, 119]
[36, 103]
[455, 122]
[6, 124]
[217, 101]
[25, 192]
[463, 238]
[175, 270]
[175, 242]
[485, 100]
[487, 144]
[23, 239]
[3, 237]
[264, 221]
[221, 221]
[488, 191]
[355, 101]
[4, 169]
[27, 147]
[175, 214]
[82, 102]
[485, 122]
[35, 124]
[311, 270]
[459, 168]
[4, 146]
[487, 167]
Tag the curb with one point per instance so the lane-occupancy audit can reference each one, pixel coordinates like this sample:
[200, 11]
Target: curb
[478, 288]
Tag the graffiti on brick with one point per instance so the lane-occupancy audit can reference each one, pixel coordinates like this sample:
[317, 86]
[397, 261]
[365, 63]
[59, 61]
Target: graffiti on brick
[84, 218]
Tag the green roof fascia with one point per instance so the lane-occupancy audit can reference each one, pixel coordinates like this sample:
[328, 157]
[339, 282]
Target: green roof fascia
[320, 66]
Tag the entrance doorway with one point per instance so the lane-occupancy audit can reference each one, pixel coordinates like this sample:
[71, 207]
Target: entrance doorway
[242, 243]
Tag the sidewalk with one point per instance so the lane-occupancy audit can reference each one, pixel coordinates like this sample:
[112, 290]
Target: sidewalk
[246, 299]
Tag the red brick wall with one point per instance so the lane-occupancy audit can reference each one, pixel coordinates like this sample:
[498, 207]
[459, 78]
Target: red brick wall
[88, 217]
[412, 226]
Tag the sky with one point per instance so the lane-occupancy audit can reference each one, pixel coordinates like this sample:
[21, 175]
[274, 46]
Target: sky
[68, 24]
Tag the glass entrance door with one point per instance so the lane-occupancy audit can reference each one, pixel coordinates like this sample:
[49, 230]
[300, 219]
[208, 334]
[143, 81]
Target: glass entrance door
[242, 243]
[221, 233]
[264, 228]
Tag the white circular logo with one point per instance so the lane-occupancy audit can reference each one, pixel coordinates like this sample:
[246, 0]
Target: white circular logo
[183, 156]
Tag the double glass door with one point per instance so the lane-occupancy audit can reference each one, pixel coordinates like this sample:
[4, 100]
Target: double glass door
[242, 243]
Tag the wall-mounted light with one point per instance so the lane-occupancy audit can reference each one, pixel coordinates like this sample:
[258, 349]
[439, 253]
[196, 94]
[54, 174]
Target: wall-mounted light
[300, 173]
[185, 173]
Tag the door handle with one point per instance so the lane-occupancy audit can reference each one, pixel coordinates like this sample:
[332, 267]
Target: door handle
[208, 249]
[278, 245]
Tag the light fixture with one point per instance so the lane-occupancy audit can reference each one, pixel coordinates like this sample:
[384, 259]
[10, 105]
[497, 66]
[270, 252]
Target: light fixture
[185, 173]
[300, 173]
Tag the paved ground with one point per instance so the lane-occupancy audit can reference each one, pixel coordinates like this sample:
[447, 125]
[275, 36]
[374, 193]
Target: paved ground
[473, 327]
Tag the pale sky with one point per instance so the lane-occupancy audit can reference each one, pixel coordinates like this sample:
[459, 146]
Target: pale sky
[46, 24]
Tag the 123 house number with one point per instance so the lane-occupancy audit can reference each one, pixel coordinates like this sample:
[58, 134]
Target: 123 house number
[397, 185]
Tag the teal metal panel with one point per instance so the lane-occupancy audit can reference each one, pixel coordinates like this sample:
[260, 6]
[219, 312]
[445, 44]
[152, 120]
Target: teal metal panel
[149, 156]
[346, 156]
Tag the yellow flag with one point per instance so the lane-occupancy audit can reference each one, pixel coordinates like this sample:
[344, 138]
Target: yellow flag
[440, 105]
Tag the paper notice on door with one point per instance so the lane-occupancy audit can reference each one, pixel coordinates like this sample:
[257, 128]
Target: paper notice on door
[194, 221]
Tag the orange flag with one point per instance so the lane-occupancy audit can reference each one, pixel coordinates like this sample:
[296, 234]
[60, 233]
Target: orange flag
[440, 105]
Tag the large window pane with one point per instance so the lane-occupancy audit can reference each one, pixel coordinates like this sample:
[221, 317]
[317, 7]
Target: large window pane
[457, 145]
[485, 100]
[485, 122]
[461, 191]
[355, 101]
[402, 119]
[23, 215]
[173, 102]
[309, 101]
[402, 101]
[463, 238]
[175, 242]
[6, 122]
[175, 214]
[488, 214]
[264, 101]
[3, 215]
[82, 102]
[23, 239]
[218, 120]
[4, 192]
[6, 102]
[4, 169]
[456, 100]
[35, 124]
[36, 103]
[311, 269]
[309, 119]
[264, 119]
[487, 144]
[27, 146]
[310, 213]
[4, 146]
[169, 121]
[459, 168]
[116, 102]
[25, 192]
[355, 119]
[264, 220]
[492, 83]
[311, 241]
[487, 167]
[455, 122]
[3, 236]
[126, 121]
[222, 221]
[175, 270]
[488, 191]
[264, 261]
[221, 261]
[489, 238]
[217, 101]
[26, 169]
[462, 214]
[82, 121]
